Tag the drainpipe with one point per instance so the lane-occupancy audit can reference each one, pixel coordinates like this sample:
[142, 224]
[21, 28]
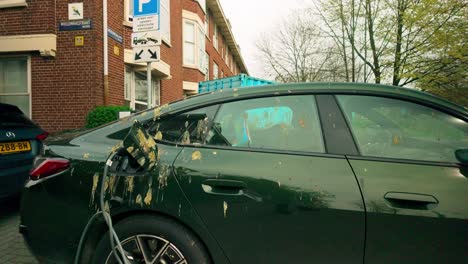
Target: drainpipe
[106, 55]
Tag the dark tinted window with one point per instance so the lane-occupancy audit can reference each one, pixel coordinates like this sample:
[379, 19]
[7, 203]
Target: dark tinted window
[11, 116]
[281, 122]
[393, 128]
[186, 128]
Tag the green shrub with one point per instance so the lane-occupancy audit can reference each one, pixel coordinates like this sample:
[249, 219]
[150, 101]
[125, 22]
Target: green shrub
[104, 114]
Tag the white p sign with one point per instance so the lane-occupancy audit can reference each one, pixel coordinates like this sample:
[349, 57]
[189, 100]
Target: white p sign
[141, 3]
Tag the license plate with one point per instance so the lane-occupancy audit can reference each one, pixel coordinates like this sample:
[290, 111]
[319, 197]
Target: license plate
[13, 147]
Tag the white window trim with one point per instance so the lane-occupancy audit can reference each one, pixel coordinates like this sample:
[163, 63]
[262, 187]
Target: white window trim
[195, 44]
[166, 38]
[28, 82]
[202, 4]
[215, 36]
[156, 90]
[199, 26]
[12, 3]
[215, 66]
[128, 18]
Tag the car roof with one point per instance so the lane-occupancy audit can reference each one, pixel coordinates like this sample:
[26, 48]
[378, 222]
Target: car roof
[322, 88]
[9, 108]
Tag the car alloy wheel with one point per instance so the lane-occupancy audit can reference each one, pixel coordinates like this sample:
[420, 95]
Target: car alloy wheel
[150, 249]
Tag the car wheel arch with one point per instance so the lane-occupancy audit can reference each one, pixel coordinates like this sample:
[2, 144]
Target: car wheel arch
[98, 229]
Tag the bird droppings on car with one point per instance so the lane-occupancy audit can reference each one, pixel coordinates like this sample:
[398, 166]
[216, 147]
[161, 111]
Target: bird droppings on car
[129, 183]
[196, 155]
[94, 187]
[86, 155]
[149, 196]
[164, 172]
[158, 136]
[225, 208]
[112, 181]
[139, 200]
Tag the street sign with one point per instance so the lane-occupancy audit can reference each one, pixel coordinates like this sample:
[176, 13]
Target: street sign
[147, 54]
[145, 23]
[145, 7]
[146, 39]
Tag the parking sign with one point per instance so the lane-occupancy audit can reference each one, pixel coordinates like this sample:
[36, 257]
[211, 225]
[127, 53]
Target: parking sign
[145, 7]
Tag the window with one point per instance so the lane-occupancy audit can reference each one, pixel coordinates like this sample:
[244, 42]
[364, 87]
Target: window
[165, 20]
[136, 90]
[128, 10]
[215, 36]
[194, 45]
[202, 5]
[189, 43]
[201, 49]
[207, 70]
[215, 70]
[15, 83]
[391, 128]
[226, 56]
[186, 128]
[284, 123]
[207, 24]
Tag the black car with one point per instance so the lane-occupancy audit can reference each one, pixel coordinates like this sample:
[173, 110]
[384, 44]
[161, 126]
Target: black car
[20, 142]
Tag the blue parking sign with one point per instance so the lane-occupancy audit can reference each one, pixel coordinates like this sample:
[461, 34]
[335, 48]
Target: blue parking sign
[145, 7]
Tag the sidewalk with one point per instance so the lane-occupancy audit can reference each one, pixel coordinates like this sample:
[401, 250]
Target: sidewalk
[12, 247]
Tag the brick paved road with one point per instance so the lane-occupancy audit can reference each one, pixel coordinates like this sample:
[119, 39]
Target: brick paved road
[12, 247]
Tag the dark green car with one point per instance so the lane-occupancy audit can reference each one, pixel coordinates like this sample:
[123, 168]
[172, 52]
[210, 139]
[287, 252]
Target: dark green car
[299, 173]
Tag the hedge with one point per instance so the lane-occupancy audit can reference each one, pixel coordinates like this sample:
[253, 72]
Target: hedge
[104, 114]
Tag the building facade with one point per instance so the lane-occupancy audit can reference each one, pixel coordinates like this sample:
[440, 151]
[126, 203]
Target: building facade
[52, 56]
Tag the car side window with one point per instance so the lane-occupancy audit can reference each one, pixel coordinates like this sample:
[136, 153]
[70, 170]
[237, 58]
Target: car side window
[281, 122]
[391, 128]
[185, 128]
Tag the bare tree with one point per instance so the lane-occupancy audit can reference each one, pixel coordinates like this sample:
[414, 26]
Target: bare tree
[295, 52]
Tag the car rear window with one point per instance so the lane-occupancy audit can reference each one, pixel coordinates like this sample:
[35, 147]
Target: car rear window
[13, 117]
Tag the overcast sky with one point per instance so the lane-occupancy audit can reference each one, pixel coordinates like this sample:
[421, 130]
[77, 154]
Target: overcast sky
[250, 18]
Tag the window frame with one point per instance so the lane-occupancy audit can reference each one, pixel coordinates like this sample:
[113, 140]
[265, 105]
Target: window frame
[215, 67]
[127, 16]
[215, 37]
[407, 99]
[12, 3]
[28, 80]
[194, 43]
[131, 100]
[165, 36]
[199, 42]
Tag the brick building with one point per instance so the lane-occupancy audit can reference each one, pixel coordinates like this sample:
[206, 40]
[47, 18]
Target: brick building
[52, 67]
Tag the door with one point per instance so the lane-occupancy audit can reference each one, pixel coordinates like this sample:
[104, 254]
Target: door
[266, 188]
[414, 191]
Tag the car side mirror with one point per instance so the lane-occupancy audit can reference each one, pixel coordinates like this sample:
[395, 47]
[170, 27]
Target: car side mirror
[137, 155]
[462, 156]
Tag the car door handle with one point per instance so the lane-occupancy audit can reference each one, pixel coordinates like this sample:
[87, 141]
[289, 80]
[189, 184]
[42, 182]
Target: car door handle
[224, 187]
[411, 200]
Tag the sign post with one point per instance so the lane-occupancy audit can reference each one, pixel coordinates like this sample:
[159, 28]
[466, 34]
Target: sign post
[146, 37]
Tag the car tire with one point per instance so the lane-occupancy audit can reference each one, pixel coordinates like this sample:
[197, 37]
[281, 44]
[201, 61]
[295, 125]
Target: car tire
[180, 241]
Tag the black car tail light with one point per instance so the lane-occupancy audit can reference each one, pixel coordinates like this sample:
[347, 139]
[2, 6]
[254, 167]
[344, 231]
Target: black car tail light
[42, 136]
[45, 167]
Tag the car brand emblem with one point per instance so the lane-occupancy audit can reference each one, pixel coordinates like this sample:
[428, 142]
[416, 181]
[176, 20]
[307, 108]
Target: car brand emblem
[10, 135]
